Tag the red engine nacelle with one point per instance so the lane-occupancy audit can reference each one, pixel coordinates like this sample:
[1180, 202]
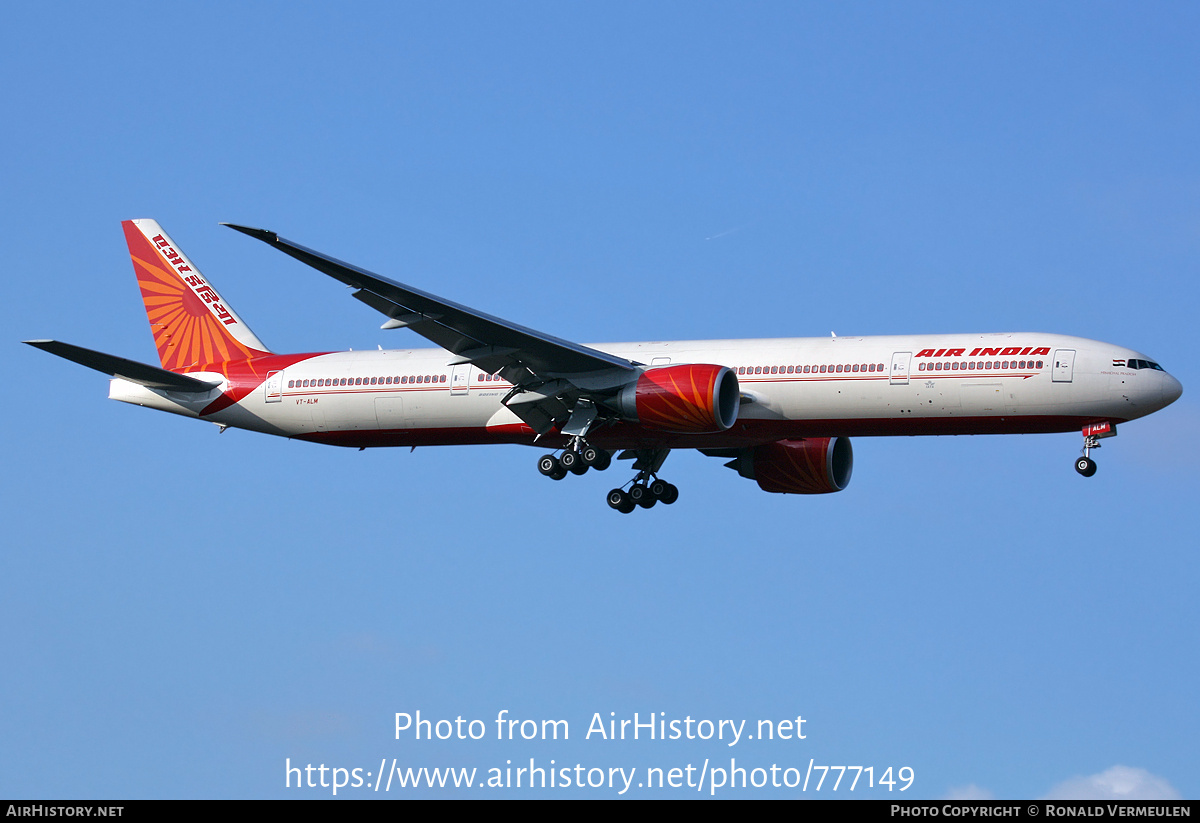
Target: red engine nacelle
[692, 398]
[816, 465]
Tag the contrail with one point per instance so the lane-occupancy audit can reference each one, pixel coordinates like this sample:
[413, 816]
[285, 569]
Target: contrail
[726, 233]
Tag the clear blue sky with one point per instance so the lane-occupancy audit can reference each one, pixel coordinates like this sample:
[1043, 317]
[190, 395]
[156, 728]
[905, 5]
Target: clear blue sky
[185, 611]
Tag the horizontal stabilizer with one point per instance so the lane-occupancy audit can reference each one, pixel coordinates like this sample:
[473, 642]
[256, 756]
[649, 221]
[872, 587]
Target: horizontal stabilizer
[151, 377]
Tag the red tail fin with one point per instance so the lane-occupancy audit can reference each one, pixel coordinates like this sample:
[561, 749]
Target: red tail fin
[193, 327]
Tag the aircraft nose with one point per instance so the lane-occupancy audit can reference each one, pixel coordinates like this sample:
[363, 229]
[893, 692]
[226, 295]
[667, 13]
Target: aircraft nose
[1172, 389]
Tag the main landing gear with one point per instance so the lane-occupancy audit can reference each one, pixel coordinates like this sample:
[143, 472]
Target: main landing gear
[576, 459]
[1091, 440]
[645, 490]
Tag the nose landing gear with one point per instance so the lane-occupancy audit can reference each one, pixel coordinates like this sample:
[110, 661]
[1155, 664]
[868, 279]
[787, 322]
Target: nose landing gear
[1092, 433]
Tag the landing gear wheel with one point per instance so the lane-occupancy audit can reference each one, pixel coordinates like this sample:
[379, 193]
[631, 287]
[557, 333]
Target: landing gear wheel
[642, 496]
[572, 462]
[658, 488]
[548, 465]
[603, 460]
[1085, 466]
[620, 501]
[590, 455]
[670, 495]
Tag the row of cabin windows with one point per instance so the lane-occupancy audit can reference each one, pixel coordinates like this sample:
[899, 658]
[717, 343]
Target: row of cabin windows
[876, 368]
[868, 368]
[366, 381]
[972, 365]
[827, 369]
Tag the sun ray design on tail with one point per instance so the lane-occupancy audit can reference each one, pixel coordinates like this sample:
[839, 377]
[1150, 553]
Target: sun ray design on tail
[192, 326]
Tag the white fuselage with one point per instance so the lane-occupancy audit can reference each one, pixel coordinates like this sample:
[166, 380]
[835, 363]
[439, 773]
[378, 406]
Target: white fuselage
[791, 388]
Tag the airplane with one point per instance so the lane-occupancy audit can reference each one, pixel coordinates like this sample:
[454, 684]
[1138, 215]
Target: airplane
[781, 411]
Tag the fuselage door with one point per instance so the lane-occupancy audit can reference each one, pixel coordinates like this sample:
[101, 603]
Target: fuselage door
[1064, 365]
[900, 363]
[274, 386]
[460, 378]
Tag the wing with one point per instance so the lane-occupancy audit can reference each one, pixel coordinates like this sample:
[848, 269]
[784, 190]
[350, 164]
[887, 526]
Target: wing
[548, 374]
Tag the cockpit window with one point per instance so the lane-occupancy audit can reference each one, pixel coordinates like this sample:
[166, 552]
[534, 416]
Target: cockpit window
[1143, 364]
